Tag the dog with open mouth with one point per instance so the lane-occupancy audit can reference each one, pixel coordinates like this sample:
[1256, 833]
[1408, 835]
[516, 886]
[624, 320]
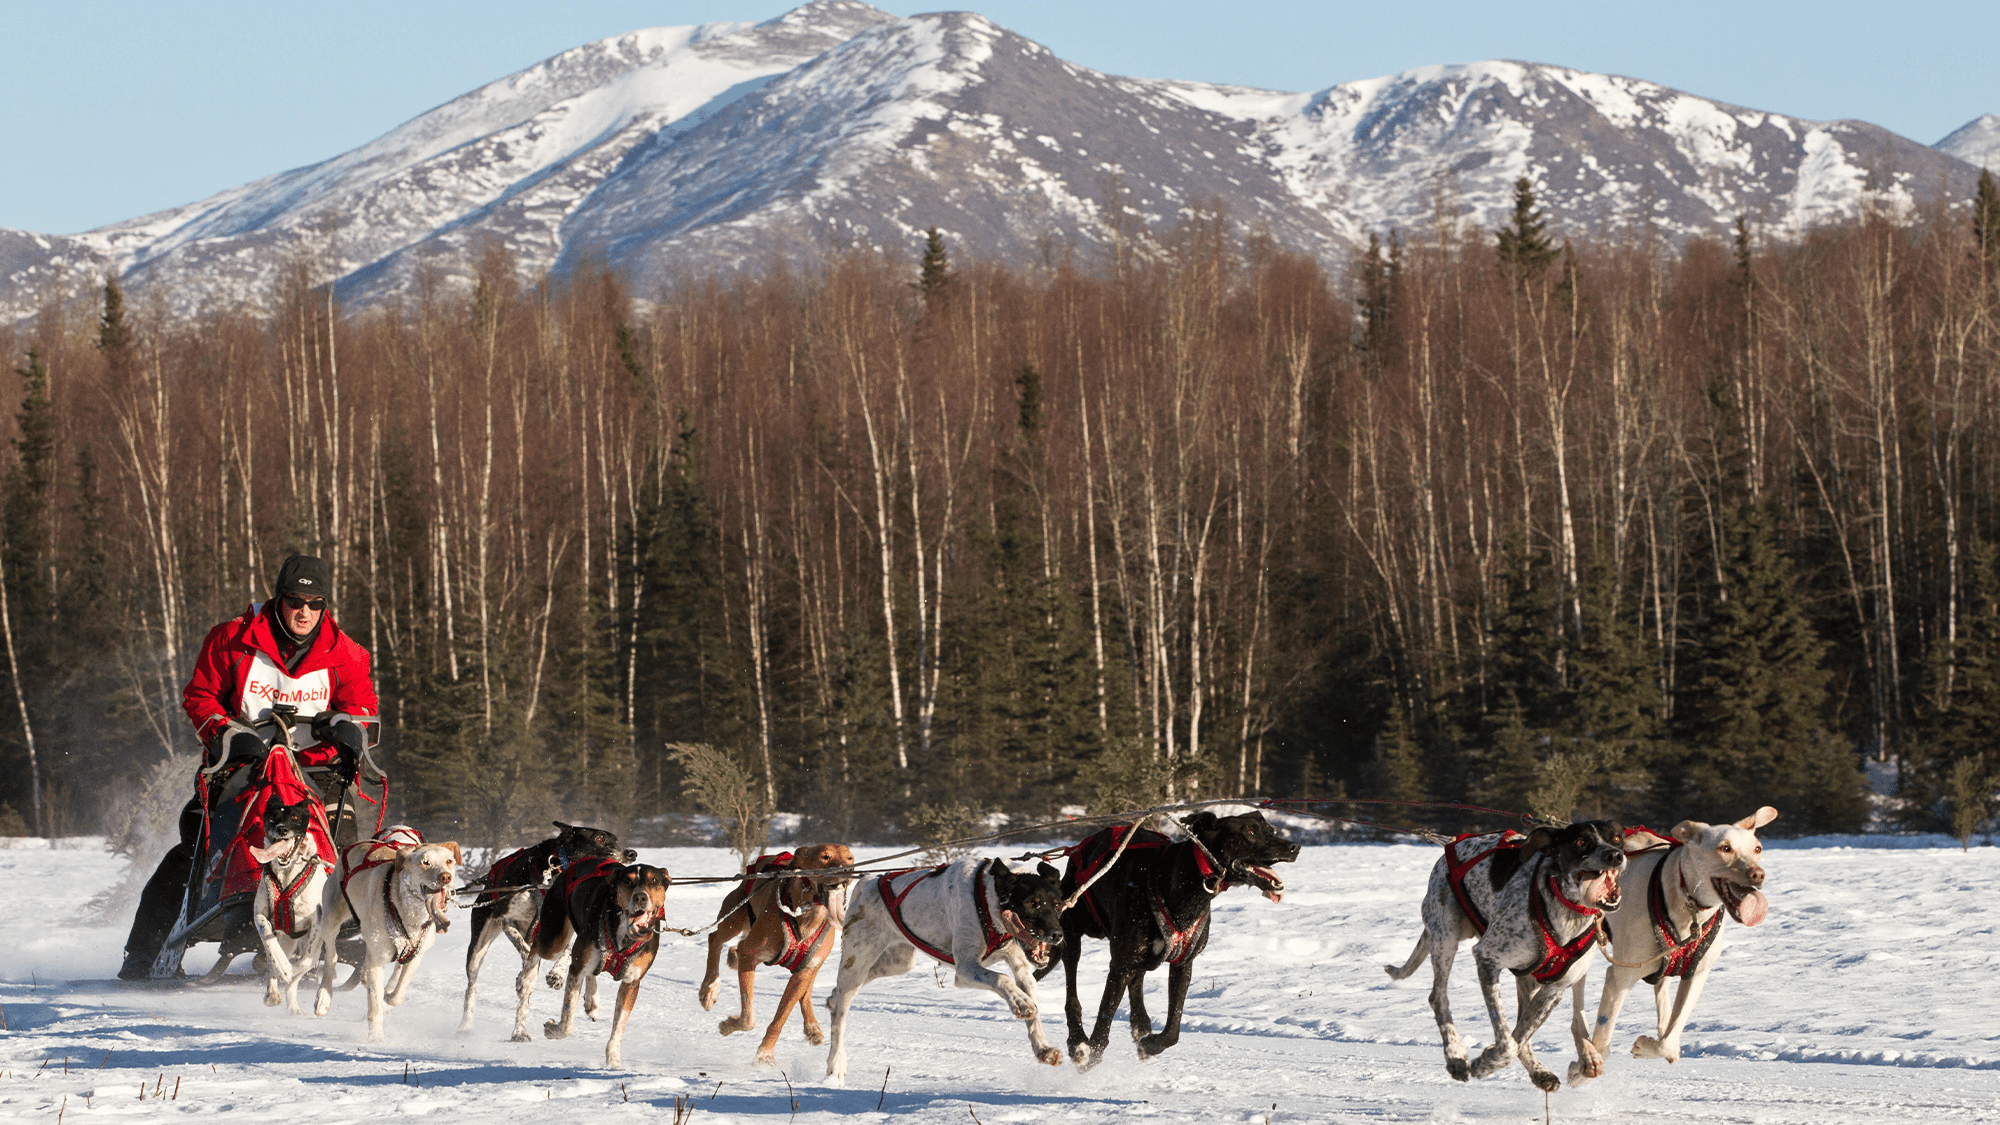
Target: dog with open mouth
[787, 913]
[1535, 902]
[1153, 906]
[398, 887]
[616, 912]
[1691, 878]
[965, 914]
[287, 905]
[512, 901]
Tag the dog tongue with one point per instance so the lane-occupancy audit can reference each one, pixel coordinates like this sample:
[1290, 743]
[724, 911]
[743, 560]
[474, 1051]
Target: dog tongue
[1753, 908]
[1275, 890]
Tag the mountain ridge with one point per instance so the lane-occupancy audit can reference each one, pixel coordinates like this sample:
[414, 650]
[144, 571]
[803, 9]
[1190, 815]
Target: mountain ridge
[669, 151]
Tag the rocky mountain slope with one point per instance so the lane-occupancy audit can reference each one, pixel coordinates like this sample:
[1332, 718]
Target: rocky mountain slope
[683, 150]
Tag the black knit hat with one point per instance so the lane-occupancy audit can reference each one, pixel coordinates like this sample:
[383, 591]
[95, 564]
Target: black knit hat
[305, 575]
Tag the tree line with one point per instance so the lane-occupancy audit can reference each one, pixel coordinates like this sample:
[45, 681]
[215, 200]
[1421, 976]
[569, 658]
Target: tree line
[1592, 526]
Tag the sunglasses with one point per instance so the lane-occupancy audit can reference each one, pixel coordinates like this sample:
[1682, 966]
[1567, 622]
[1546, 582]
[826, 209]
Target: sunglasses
[314, 604]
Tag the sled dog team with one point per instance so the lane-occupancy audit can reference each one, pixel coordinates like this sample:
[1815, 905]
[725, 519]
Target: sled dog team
[1541, 906]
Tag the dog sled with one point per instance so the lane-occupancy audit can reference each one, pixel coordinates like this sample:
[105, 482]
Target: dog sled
[222, 882]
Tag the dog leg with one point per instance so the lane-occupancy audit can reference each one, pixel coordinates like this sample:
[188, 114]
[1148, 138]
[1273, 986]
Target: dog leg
[1117, 981]
[800, 984]
[332, 912]
[1038, 1039]
[1503, 1048]
[746, 985]
[373, 973]
[1135, 1009]
[1618, 984]
[1443, 955]
[592, 1007]
[524, 981]
[406, 973]
[711, 978]
[1535, 1009]
[808, 1018]
[487, 925]
[580, 970]
[1071, 951]
[614, 1048]
[1668, 1044]
[1179, 976]
[1589, 1062]
[277, 966]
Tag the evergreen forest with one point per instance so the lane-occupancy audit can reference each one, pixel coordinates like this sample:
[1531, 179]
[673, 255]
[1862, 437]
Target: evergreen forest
[1606, 527]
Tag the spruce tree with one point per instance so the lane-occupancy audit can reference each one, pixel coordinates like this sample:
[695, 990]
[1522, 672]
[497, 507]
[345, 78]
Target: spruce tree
[1523, 244]
[1986, 222]
[1615, 700]
[1752, 718]
[30, 488]
[935, 272]
[1965, 681]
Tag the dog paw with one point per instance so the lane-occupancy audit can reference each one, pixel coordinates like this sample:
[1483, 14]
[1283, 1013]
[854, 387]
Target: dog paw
[817, 1037]
[1545, 1080]
[709, 994]
[732, 1025]
[1495, 1058]
[554, 1030]
[1049, 1056]
[1578, 1075]
[554, 979]
[272, 999]
[766, 1058]
[521, 1037]
[1458, 1069]
[1647, 1047]
[1084, 1055]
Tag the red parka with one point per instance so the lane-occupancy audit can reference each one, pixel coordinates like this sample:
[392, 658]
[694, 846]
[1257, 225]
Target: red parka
[240, 674]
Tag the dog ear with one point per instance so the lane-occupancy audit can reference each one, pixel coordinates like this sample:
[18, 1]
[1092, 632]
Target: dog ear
[1048, 871]
[1201, 821]
[561, 827]
[1537, 840]
[457, 857]
[1758, 819]
[1686, 830]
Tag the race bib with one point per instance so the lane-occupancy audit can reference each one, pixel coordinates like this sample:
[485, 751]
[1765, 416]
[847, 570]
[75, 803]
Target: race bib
[266, 684]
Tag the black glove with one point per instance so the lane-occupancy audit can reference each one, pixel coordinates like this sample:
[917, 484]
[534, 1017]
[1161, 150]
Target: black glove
[344, 735]
[236, 744]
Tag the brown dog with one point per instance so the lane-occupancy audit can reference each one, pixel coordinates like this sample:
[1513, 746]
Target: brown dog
[616, 913]
[791, 922]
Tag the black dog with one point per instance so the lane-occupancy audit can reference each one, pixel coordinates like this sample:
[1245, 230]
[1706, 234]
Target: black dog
[1154, 908]
[519, 881]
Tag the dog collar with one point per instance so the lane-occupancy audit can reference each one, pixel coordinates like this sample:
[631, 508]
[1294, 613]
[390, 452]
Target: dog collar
[1556, 890]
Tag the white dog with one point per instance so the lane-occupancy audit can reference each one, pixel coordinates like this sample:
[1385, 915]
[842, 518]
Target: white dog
[962, 913]
[286, 910]
[397, 887]
[1689, 881]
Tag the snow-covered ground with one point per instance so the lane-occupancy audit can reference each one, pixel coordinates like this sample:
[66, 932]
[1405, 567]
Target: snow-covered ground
[1871, 995]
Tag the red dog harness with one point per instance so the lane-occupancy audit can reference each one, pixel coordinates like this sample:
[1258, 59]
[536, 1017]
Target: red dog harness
[796, 952]
[284, 914]
[994, 938]
[1557, 957]
[1680, 954]
[615, 958]
[1145, 840]
[381, 852]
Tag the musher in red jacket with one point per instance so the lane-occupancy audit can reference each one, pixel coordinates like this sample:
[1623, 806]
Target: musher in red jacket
[284, 651]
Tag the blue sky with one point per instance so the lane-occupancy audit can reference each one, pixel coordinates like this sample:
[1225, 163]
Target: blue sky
[115, 109]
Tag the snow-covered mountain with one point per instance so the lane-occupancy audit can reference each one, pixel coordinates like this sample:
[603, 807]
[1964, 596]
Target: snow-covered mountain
[1977, 142]
[687, 149]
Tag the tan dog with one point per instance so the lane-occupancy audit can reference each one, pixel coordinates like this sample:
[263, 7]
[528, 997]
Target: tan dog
[790, 922]
[1688, 882]
[398, 888]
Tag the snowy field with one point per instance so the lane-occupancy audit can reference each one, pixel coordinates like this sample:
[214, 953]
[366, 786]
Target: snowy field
[1871, 995]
